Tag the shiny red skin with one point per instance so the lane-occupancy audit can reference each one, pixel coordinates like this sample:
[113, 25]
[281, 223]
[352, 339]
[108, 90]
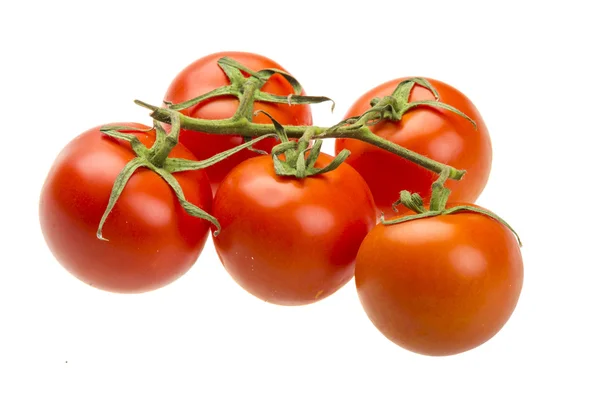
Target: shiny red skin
[204, 75]
[291, 241]
[152, 241]
[438, 134]
[441, 285]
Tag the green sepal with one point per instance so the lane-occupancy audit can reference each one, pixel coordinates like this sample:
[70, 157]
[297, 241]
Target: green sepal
[296, 164]
[386, 111]
[437, 104]
[336, 162]
[278, 127]
[221, 91]
[118, 128]
[266, 74]
[292, 99]
[315, 150]
[283, 147]
[233, 69]
[299, 159]
[255, 150]
[374, 101]
[120, 183]
[229, 66]
[453, 210]
[190, 208]
[282, 168]
[137, 146]
[300, 170]
[412, 217]
[174, 165]
[404, 88]
[412, 201]
[490, 214]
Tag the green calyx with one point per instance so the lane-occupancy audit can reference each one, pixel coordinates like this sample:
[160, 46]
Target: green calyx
[437, 206]
[157, 160]
[246, 85]
[296, 162]
[394, 106]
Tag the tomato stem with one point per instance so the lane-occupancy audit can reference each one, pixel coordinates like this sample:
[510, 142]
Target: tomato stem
[425, 162]
[245, 108]
[243, 127]
[164, 143]
[248, 91]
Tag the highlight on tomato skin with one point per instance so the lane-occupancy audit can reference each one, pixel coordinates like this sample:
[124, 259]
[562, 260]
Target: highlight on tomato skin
[441, 285]
[438, 134]
[204, 75]
[151, 240]
[291, 241]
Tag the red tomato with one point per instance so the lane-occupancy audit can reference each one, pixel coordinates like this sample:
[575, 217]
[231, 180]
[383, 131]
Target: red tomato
[151, 240]
[440, 285]
[205, 75]
[291, 241]
[438, 134]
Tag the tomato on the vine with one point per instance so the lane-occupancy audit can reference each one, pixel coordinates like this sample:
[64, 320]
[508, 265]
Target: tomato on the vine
[150, 239]
[435, 133]
[204, 75]
[291, 241]
[440, 285]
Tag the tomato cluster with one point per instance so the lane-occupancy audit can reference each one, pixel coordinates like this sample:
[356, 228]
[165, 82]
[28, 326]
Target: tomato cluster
[440, 283]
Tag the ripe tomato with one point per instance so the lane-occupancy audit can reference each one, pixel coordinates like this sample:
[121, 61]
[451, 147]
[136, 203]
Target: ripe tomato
[440, 285]
[205, 75]
[291, 241]
[438, 134]
[151, 240]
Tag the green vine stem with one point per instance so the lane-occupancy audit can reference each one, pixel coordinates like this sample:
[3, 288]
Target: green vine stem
[248, 91]
[243, 127]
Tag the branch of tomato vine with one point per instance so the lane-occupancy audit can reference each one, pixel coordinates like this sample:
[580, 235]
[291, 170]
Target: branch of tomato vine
[248, 91]
[243, 127]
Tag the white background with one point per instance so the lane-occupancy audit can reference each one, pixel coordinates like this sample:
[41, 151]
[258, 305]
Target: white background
[530, 68]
